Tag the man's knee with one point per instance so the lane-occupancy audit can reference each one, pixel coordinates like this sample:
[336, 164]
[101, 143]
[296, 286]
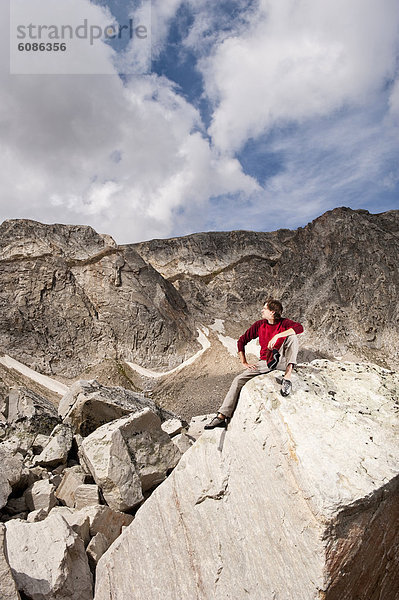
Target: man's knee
[291, 341]
[290, 348]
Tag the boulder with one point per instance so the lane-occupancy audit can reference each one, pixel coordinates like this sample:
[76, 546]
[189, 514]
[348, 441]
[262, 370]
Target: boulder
[77, 520]
[10, 473]
[91, 520]
[299, 498]
[183, 441]
[48, 560]
[37, 515]
[96, 548]
[105, 520]
[40, 442]
[87, 494]
[172, 426]
[72, 478]
[129, 456]
[8, 587]
[41, 495]
[88, 404]
[197, 425]
[28, 410]
[56, 451]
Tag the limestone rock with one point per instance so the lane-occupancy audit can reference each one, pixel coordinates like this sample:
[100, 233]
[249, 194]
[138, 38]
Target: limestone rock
[91, 520]
[105, 520]
[88, 405]
[197, 424]
[299, 498]
[48, 560]
[183, 441]
[129, 455]
[96, 548]
[56, 451]
[107, 456]
[172, 426]
[28, 410]
[37, 515]
[77, 520]
[71, 480]
[41, 495]
[40, 442]
[8, 587]
[87, 495]
[10, 473]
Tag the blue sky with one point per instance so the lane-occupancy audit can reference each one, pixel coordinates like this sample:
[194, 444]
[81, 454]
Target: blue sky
[254, 115]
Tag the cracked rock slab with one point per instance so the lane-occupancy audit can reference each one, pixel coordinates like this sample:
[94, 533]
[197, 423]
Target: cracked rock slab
[8, 587]
[299, 498]
[129, 456]
[48, 560]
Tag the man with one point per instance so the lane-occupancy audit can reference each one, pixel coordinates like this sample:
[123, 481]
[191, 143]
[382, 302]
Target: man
[275, 335]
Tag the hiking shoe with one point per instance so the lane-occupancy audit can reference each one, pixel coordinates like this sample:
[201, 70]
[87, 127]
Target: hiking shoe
[286, 387]
[216, 422]
[273, 362]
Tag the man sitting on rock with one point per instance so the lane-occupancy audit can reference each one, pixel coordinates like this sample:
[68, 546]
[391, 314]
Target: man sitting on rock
[276, 335]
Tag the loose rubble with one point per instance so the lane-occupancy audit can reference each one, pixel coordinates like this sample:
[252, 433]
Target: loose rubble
[65, 479]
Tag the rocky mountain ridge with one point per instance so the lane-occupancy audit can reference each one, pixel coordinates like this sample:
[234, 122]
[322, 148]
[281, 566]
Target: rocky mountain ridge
[64, 304]
[338, 275]
[74, 304]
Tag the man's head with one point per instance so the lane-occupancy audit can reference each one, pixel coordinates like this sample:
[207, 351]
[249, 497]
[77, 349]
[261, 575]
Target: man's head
[272, 310]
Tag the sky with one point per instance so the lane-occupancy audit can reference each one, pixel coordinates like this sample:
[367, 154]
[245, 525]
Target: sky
[252, 115]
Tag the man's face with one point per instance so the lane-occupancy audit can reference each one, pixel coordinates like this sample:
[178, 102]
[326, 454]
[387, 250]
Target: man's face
[267, 313]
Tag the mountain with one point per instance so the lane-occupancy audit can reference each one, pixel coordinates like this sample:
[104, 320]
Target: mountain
[70, 298]
[75, 304]
[338, 275]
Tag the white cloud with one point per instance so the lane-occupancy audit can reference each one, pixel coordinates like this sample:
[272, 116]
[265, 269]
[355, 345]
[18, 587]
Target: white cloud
[296, 61]
[134, 160]
[123, 158]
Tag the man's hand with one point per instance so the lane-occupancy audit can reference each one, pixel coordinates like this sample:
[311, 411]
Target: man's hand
[243, 359]
[250, 367]
[272, 342]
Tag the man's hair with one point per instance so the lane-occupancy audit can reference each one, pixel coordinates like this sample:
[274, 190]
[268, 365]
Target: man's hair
[276, 306]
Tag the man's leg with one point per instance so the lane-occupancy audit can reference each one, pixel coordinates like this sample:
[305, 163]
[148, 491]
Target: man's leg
[231, 398]
[290, 352]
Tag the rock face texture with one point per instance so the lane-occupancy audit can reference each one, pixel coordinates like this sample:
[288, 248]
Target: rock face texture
[61, 574]
[299, 498]
[70, 297]
[338, 275]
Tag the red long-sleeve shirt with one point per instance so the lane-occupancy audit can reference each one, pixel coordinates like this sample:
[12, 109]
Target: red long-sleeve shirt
[265, 331]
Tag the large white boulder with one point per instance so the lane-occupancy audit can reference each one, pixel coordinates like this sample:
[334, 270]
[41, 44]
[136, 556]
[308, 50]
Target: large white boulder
[129, 456]
[56, 451]
[88, 404]
[298, 499]
[8, 587]
[48, 560]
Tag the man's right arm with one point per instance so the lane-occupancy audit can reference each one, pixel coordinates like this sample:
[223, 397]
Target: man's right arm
[243, 359]
[250, 334]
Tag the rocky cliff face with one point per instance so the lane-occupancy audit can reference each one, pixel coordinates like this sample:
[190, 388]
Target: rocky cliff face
[70, 297]
[339, 275]
[298, 499]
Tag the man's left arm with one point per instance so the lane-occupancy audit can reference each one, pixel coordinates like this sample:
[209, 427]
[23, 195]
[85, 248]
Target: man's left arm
[294, 330]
